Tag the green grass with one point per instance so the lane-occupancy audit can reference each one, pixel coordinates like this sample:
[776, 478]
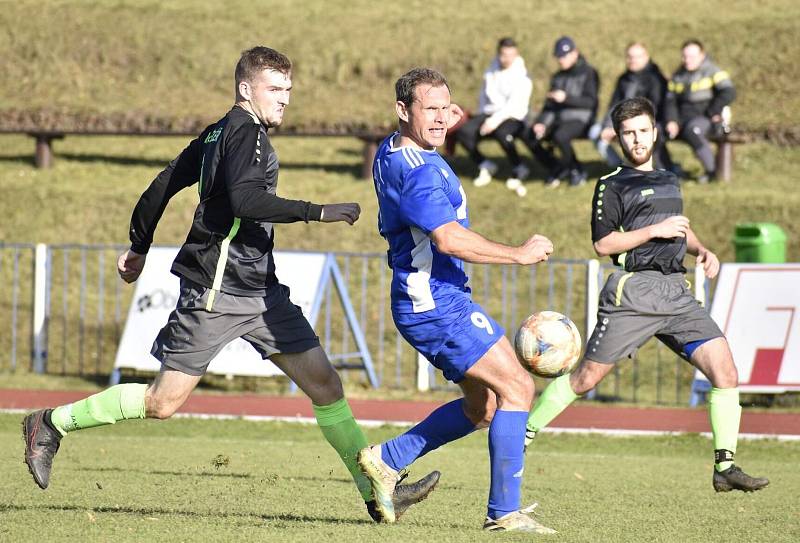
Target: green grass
[174, 60]
[89, 194]
[157, 481]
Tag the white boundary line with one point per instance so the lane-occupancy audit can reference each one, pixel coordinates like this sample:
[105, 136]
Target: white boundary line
[369, 423]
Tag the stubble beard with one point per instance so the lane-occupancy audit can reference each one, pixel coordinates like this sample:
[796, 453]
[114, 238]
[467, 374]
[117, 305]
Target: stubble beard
[634, 160]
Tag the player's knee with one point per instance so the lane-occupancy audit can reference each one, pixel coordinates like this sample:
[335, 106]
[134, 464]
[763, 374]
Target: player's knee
[519, 392]
[481, 415]
[725, 377]
[583, 382]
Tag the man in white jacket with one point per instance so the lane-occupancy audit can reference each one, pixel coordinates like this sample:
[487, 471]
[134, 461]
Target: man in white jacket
[504, 104]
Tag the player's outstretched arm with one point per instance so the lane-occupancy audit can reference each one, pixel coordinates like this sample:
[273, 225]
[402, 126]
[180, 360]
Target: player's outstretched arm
[705, 257]
[455, 240]
[619, 242]
[347, 212]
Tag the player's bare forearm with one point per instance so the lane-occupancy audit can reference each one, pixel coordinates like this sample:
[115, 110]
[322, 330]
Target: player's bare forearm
[455, 240]
[693, 245]
[619, 242]
[706, 258]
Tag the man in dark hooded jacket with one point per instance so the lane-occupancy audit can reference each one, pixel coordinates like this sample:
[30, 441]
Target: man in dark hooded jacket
[642, 78]
[569, 110]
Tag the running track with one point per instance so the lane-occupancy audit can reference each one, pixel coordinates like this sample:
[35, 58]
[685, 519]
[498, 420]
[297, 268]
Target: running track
[626, 420]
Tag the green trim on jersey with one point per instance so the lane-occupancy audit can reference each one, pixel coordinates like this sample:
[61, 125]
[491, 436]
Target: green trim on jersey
[615, 172]
[200, 182]
[621, 256]
[620, 285]
[223, 259]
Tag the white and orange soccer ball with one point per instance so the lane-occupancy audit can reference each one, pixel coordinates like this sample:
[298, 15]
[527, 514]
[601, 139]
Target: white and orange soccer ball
[548, 344]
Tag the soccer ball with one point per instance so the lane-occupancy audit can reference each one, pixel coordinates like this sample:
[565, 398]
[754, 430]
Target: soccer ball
[548, 344]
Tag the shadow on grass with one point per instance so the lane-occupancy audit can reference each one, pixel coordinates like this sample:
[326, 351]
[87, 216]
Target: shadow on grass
[153, 511]
[266, 478]
[90, 159]
[112, 159]
[25, 159]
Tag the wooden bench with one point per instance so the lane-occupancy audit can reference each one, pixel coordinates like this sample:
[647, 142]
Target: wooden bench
[44, 156]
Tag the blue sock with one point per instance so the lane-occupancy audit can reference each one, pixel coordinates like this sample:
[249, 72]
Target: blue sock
[444, 425]
[506, 443]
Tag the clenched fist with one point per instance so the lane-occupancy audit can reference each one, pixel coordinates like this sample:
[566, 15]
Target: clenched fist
[348, 212]
[536, 249]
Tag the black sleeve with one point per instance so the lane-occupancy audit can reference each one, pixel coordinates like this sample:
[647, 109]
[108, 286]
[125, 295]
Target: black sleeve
[671, 103]
[606, 211]
[247, 190]
[182, 172]
[656, 94]
[546, 116]
[724, 94]
[588, 97]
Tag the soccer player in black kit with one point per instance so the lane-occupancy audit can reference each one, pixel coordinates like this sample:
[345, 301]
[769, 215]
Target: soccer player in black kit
[228, 284]
[637, 220]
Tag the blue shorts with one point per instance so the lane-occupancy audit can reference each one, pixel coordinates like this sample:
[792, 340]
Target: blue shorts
[452, 336]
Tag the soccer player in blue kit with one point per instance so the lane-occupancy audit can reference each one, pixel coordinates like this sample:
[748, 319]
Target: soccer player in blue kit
[423, 216]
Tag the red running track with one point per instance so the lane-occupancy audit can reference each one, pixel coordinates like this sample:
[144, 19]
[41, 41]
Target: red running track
[585, 417]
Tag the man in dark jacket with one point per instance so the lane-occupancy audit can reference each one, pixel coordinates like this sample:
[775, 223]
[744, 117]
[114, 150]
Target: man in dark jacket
[228, 283]
[642, 78]
[569, 110]
[696, 96]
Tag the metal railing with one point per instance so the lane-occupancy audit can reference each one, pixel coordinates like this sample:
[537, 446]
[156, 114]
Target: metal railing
[74, 325]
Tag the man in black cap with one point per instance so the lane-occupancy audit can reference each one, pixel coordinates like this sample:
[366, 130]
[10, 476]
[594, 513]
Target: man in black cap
[568, 112]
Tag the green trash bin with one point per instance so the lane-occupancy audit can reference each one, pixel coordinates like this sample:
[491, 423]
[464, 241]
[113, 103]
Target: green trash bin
[759, 242]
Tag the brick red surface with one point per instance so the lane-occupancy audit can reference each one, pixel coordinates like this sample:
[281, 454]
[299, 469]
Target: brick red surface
[577, 416]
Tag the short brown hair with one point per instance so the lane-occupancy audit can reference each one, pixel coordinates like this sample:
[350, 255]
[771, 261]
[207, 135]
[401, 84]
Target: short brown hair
[256, 60]
[630, 108]
[408, 82]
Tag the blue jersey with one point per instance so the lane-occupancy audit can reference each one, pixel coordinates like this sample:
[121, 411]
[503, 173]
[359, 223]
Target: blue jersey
[417, 193]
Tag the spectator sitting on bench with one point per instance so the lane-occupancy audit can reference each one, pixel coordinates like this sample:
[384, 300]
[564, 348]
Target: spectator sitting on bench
[696, 95]
[503, 105]
[569, 110]
[642, 78]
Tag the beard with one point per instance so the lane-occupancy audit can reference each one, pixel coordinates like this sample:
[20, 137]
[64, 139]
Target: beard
[637, 160]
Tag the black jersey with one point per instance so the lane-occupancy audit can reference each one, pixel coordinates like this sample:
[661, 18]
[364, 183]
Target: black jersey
[629, 199]
[229, 246]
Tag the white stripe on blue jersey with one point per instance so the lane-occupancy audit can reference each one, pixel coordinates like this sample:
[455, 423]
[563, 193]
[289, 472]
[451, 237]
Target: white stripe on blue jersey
[418, 192]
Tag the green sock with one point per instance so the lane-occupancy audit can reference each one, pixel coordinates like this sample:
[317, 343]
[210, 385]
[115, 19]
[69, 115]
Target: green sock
[116, 403]
[340, 429]
[724, 411]
[552, 401]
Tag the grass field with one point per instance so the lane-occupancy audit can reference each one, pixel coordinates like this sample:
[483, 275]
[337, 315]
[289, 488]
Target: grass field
[233, 480]
[88, 196]
[174, 59]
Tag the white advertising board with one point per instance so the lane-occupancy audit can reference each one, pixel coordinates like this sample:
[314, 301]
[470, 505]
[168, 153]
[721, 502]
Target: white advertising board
[757, 306]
